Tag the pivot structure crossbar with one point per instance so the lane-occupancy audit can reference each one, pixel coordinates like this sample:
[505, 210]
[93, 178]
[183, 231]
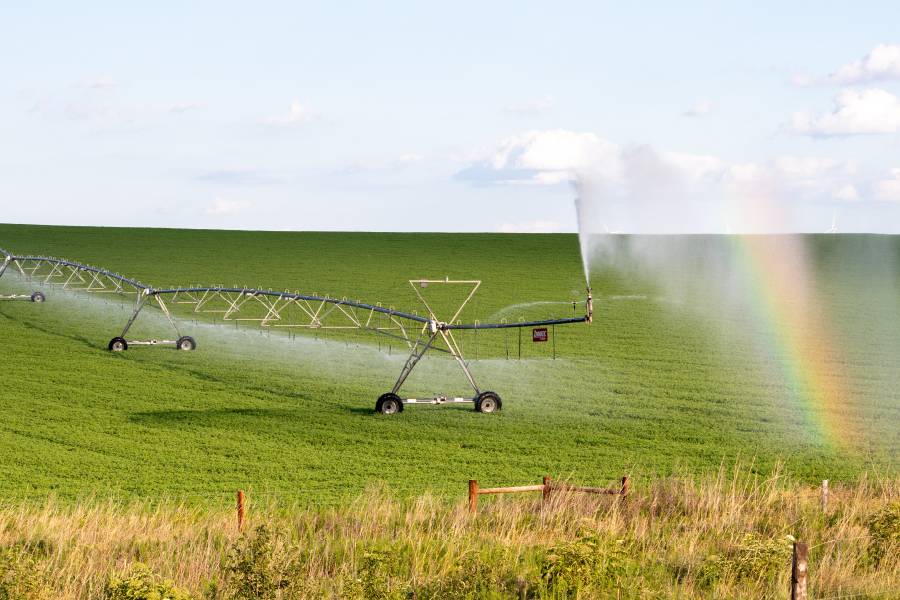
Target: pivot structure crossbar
[285, 309]
[66, 274]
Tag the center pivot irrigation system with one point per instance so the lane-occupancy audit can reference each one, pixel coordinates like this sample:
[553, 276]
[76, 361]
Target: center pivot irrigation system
[285, 309]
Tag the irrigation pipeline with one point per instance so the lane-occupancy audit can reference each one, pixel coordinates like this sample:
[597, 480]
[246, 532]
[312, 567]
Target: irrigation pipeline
[71, 275]
[288, 309]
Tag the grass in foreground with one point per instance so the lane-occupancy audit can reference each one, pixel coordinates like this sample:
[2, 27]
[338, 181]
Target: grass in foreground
[727, 535]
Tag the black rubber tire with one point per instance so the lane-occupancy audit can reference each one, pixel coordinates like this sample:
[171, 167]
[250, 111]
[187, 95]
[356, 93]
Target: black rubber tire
[488, 402]
[117, 344]
[186, 343]
[389, 404]
[38, 297]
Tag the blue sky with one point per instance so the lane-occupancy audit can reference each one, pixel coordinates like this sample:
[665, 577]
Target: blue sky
[452, 117]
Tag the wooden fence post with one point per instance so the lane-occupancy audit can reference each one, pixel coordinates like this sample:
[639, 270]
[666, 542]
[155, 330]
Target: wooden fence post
[824, 495]
[624, 491]
[799, 572]
[546, 492]
[473, 496]
[521, 588]
[240, 509]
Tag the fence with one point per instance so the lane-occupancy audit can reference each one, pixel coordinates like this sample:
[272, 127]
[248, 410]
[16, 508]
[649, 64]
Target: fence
[800, 575]
[546, 488]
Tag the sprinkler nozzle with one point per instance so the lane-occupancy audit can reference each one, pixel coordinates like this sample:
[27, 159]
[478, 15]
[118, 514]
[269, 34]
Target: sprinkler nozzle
[589, 305]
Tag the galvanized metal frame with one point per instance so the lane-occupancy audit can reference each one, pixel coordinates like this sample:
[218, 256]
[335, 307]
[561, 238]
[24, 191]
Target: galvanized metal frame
[281, 309]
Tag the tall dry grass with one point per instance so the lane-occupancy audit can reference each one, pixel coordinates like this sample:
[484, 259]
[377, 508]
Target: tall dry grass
[720, 536]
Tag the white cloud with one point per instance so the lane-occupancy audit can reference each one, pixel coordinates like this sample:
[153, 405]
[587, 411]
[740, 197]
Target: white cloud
[810, 168]
[103, 82]
[531, 227]
[697, 166]
[410, 159]
[888, 189]
[556, 152]
[242, 176]
[883, 62]
[556, 157]
[532, 107]
[847, 192]
[183, 107]
[803, 79]
[226, 208]
[297, 115]
[817, 177]
[856, 112]
[700, 108]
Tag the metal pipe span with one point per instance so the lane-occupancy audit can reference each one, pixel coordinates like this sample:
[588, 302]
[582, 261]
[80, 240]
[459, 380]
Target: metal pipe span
[293, 296]
[521, 324]
[149, 290]
[83, 267]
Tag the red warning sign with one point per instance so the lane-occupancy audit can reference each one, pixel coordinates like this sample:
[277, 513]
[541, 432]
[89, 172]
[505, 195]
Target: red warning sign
[539, 334]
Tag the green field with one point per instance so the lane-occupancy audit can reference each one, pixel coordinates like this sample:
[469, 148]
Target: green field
[661, 382]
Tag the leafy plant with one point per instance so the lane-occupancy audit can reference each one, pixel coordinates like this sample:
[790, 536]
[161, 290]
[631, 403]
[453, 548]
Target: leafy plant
[754, 557]
[19, 577]
[590, 561]
[480, 576]
[375, 578]
[253, 568]
[884, 527]
[141, 584]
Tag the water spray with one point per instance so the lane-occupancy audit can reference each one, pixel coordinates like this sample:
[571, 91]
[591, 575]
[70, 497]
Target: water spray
[288, 309]
[9, 259]
[589, 306]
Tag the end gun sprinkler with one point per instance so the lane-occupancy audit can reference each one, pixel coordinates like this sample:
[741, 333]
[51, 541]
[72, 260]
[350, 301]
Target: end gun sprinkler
[589, 305]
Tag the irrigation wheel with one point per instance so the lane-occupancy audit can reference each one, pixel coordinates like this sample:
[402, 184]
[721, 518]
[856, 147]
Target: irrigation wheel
[488, 402]
[186, 342]
[389, 404]
[117, 344]
[38, 297]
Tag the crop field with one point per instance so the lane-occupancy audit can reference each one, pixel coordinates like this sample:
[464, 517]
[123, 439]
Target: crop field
[663, 381]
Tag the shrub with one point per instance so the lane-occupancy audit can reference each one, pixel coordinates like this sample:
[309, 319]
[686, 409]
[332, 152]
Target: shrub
[141, 584]
[590, 561]
[19, 577]
[475, 577]
[253, 569]
[375, 578]
[754, 558]
[884, 527]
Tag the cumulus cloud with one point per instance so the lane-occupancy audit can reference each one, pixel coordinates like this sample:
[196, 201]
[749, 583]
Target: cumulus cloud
[531, 107]
[531, 227]
[226, 208]
[888, 189]
[541, 157]
[700, 108]
[555, 156]
[817, 177]
[645, 189]
[883, 62]
[297, 115]
[856, 112]
[847, 192]
[558, 156]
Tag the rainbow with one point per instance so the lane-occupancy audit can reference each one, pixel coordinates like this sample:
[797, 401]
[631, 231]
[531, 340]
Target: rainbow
[792, 323]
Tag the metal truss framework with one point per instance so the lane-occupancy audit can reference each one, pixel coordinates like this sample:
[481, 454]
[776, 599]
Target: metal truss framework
[284, 309]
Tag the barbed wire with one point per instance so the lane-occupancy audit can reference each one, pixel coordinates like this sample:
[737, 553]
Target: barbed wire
[861, 595]
[836, 540]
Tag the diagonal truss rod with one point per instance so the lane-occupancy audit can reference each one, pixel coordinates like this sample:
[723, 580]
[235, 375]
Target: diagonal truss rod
[286, 309]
